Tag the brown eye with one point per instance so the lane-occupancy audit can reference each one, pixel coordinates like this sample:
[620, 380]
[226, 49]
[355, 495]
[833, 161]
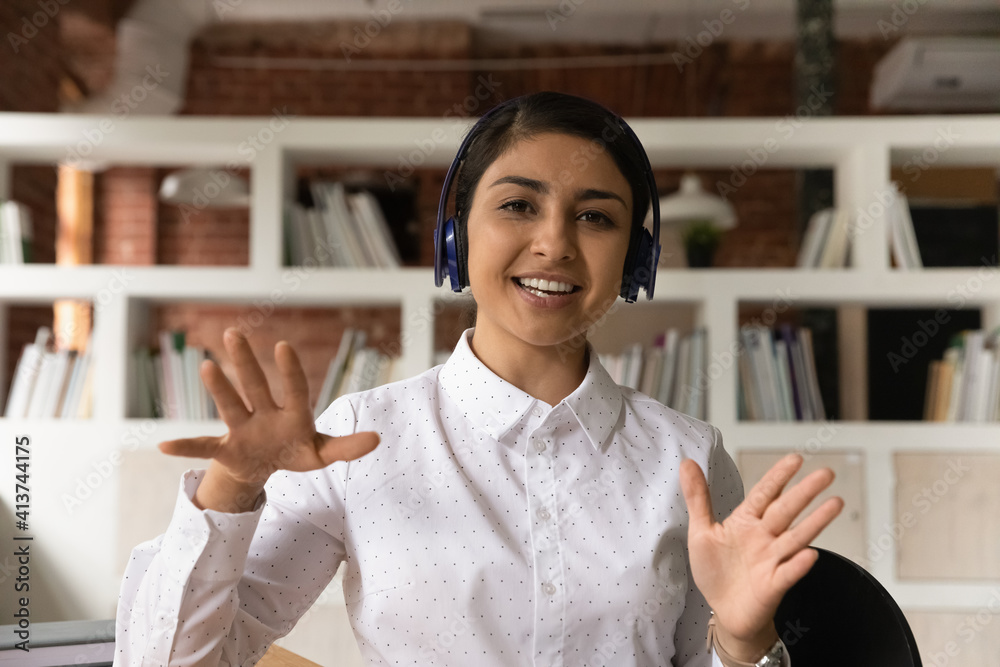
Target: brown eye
[515, 206]
[598, 218]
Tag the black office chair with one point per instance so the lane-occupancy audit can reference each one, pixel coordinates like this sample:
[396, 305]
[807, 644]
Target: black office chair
[839, 614]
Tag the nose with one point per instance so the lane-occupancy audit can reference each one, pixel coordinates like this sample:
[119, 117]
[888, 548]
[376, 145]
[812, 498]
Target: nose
[555, 237]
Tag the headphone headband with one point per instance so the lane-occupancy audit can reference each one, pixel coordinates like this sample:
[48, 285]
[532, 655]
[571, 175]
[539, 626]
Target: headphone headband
[640, 264]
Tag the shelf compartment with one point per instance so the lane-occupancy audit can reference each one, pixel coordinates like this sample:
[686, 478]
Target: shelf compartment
[314, 332]
[62, 373]
[130, 224]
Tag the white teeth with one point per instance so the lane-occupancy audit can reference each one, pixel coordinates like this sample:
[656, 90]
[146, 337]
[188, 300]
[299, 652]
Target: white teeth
[546, 285]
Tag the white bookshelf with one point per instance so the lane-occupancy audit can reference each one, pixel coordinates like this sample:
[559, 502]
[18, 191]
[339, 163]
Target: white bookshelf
[859, 150]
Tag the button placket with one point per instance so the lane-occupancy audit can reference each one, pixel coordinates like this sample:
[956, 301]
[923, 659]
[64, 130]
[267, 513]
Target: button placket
[549, 605]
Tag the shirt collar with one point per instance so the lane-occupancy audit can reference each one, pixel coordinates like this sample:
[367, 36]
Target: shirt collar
[494, 405]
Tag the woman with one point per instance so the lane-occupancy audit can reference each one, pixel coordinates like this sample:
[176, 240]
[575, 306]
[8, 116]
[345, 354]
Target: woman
[521, 508]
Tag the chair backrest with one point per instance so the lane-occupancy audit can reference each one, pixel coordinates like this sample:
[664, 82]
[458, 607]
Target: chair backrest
[839, 614]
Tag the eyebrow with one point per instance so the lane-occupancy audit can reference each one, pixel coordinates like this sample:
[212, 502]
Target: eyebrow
[542, 188]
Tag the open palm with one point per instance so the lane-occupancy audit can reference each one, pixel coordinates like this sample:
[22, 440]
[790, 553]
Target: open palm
[745, 564]
[264, 437]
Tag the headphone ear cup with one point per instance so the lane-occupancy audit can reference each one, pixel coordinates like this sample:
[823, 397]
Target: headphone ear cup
[452, 255]
[641, 269]
[462, 254]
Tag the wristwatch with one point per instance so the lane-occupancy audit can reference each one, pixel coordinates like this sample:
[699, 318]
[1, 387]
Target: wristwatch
[774, 657]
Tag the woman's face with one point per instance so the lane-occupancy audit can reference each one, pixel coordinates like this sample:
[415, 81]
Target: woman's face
[554, 208]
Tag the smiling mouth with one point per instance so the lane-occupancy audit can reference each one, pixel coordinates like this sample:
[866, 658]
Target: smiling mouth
[545, 288]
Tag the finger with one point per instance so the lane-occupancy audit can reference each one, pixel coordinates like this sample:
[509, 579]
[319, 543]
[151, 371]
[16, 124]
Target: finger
[782, 512]
[203, 447]
[792, 570]
[695, 490]
[771, 484]
[347, 447]
[293, 378]
[809, 528]
[248, 371]
[231, 407]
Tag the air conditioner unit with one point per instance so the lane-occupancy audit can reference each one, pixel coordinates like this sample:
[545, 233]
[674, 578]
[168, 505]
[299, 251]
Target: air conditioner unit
[939, 74]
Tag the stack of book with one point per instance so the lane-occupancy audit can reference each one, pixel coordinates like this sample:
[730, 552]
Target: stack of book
[342, 229]
[964, 386]
[50, 383]
[672, 371]
[827, 240]
[354, 368]
[168, 384]
[778, 375]
[15, 233]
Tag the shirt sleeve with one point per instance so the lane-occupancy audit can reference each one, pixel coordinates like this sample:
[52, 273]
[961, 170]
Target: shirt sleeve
[726, 489]
[219, 588]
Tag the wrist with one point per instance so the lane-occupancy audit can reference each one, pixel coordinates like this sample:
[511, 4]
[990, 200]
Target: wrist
[743, 649]
[221, 492]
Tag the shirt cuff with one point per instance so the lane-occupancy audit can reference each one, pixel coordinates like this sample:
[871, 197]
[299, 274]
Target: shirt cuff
[207, 544]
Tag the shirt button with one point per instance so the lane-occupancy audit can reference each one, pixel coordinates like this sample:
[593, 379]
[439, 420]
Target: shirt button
[543, 514]
[537, 412]
[549, 589]
[539, 445]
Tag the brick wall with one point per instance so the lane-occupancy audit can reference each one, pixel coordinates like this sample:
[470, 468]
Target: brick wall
[131, 227]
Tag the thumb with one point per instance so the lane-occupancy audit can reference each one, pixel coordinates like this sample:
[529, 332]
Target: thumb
[695, 490]
[201, 448]
[347, 447]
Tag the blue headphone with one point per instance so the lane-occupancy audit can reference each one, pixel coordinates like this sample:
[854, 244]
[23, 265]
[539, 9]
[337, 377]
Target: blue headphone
[450, 250]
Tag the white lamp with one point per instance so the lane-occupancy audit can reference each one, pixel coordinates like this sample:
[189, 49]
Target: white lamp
[691, 203]
[205, 187]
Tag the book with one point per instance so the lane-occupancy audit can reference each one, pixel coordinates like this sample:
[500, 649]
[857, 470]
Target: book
[74, 391]
[837, 247]
[16, 233]
[26, 374]
[778, 375]
[342, 230]
[814, 239]
[666, 385]
[334, 372]
[375, 220]
[902, 236]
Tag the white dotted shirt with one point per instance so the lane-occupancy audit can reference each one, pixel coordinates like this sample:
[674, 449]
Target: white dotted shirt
[487, 528]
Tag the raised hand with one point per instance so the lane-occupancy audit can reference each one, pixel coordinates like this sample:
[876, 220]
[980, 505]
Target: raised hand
[745, 565]
[264, 437]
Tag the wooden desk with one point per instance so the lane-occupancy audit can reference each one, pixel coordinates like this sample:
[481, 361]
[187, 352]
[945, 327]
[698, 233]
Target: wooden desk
[280, 657]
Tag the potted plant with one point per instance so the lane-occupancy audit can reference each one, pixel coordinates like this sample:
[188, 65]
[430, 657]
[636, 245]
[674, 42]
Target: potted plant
[701, 238]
